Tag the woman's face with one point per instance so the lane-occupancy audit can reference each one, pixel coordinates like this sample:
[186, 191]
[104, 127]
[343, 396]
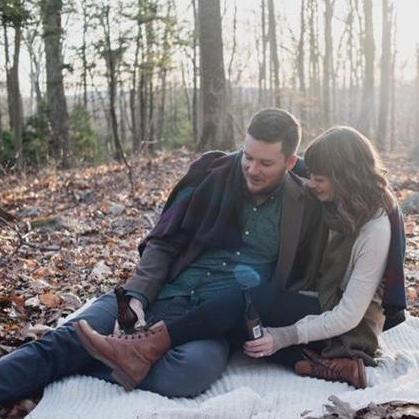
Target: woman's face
[322, 187]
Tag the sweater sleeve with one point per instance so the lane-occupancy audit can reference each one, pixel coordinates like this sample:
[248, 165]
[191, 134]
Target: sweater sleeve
[369, 255]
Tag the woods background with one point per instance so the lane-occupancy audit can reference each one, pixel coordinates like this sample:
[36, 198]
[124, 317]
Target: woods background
[149, 84]
[86, 81]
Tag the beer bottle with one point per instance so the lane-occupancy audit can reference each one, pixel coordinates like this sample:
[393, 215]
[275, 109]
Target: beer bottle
[252, 319]
[126, 315]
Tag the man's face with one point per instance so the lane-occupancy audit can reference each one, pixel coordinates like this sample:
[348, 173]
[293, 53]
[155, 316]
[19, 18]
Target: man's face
[264, 165]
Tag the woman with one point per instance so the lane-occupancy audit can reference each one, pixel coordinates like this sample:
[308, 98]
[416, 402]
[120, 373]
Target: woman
[346, 176]
[342, 315]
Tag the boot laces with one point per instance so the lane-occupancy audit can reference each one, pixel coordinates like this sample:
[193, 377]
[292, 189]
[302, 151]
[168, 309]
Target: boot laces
[140, 331]
[330, 370]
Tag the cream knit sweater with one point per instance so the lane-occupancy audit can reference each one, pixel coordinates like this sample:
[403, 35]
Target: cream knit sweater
[361, 285]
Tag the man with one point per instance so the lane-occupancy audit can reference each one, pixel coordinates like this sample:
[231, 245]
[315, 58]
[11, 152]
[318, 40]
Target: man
[229, 215]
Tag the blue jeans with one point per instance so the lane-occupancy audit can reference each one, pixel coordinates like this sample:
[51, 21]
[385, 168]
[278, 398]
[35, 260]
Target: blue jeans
[183, 372]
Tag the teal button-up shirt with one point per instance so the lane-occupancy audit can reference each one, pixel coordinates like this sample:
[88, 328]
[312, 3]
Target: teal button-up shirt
[251, 264]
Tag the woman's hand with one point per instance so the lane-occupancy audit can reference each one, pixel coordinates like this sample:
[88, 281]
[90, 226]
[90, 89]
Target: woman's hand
[273, 339]
[258, 348]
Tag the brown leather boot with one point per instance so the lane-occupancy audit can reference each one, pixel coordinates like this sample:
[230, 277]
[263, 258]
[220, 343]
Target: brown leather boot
[346, 370]
[129, 356]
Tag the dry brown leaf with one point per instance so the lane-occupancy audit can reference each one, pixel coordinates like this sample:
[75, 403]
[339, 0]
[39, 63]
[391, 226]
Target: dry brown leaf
[36, 331]
[32, 302]
[50, 299]
[409, 227]
[31, 263]
[43, 271]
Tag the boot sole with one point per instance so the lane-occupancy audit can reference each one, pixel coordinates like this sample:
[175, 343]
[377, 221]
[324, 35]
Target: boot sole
[117, 373]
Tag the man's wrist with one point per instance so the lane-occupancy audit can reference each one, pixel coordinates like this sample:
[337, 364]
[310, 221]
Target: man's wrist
[139, 296]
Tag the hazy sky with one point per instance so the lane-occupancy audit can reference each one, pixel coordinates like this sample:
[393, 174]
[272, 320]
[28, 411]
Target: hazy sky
[288, 11]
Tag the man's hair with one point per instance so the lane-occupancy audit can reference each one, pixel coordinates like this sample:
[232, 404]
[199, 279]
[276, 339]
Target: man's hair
[275, 125]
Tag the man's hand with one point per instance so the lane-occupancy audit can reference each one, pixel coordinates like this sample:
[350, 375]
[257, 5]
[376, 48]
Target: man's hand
[139, 311]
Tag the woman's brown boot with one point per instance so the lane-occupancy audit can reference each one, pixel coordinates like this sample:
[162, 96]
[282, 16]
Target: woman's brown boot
[129, 356]
[346, 370]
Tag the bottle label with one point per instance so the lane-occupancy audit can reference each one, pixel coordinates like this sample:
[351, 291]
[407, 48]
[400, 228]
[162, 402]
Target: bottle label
[257, 332]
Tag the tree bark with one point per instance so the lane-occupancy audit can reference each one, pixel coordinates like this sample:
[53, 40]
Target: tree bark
[327, 61]
[84, 54]
[273, 51]
[217, 129]
[262, 65]
[393, 121]
[112, 84]
[17, 107]
[314, 63]
[367, 116]
[417, 95]
[35, 68]
[385, 77]
[57, 105]
[195, 69]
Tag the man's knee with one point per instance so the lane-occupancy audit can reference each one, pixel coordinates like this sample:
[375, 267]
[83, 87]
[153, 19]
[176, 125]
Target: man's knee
[189, 369]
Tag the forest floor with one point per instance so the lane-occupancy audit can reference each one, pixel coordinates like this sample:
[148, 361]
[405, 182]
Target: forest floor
[76, 234]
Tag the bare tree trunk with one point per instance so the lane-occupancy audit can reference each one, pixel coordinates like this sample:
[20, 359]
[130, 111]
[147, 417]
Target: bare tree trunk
[163, 76]
[367, 116]
[351, 97]
[151, 41]
[273, 50]
[217, 129]
[122, 121]
[1, 123]
[8, 66]
[327, 60]
[17, 105]
[186, 90]
[417, 95]
[133, 96]
[150, 115]
[301, 66]
[13, 93]
[195, 70]
[385, 76]
[29, 37]
[262, 65]
[234, 47]
[57, 105]
[314, 67]
[393, 87]
[142, 98]
[84, 55]
[112, 84]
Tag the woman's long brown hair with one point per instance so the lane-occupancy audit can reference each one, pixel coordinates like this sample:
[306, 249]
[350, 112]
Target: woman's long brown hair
[360, 187]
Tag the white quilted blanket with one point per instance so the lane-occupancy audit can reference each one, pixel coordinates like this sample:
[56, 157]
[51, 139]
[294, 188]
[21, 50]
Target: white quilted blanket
[248, 389]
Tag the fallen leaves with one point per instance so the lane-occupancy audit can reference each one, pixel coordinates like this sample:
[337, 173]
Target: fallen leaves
[79, 232]
[81, 229]
[50, 300]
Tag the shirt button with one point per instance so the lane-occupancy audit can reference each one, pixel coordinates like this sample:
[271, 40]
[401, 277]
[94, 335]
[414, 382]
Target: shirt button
[246, 232]
[255, 209]
[238, 253]
[224, 264]
[192, 292]
[208, 273]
